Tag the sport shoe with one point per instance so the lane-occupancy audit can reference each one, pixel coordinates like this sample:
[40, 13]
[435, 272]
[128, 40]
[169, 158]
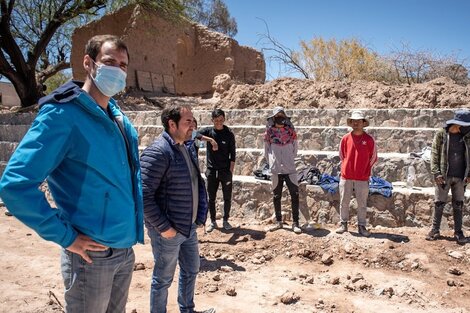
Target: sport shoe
[363, 231]
[342, 229]
[227, 225]
[211, 310]
[276, 226]
[460, 238]
[296, 228]
[433, 235]
[211, 227]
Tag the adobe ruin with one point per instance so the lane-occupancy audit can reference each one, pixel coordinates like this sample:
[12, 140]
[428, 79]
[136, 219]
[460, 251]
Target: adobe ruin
[180, 58]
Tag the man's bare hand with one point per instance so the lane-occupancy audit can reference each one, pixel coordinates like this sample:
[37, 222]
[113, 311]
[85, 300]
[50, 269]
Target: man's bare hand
[169, 233]
[440, 180]
[83, 243]
[214, 144]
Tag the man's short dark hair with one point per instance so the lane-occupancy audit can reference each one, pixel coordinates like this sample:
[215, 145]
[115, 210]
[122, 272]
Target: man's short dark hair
[218, 112]
[93, 46]
[172, 113]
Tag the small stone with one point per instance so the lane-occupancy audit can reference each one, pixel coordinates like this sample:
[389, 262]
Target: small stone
[456, 255]
[451, 283]
[335, 281]
[289, 297]
[216, 277]
[349, 248]
[231, 291]
[455, 271]
[357, 278]
[327, 259]
[213, 288]
[226, 268]
[139, 267]
[414, 265]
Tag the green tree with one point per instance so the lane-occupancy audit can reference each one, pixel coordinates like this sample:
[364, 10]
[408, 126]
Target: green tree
[34, 40]
[53, 82]
[212, 13]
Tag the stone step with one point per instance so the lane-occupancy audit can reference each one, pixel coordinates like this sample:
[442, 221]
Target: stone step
[6, 150]
[17, 118]
[301, 117]
[12, 133]
[392, 167]
[406, 207]
[3, 165]
[388, 139]
[428, 118]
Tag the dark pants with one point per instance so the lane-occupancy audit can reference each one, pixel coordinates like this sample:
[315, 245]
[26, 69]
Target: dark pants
[294, 196]
[214, 177]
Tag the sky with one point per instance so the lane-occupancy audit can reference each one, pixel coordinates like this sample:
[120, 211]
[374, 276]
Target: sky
[441, 27]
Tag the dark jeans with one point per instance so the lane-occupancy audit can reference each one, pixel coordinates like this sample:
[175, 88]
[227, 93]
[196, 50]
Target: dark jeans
[214, 177]
[294, 196]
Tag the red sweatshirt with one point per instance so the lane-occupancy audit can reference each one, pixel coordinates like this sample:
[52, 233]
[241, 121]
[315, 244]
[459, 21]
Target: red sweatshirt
[358, 154]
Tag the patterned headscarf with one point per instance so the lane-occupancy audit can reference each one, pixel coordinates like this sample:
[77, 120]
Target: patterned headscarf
[280, 136]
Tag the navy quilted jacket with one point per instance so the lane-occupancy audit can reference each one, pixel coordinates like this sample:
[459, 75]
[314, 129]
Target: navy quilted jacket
[167, 190]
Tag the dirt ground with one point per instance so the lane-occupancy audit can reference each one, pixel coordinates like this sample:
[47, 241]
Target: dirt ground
[250, 270]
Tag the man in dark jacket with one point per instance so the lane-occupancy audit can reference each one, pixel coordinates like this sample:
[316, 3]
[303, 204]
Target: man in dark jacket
[220, 165]
[175, 204]
[450, 165]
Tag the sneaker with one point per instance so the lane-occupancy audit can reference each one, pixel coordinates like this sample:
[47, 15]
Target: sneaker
[342, 229]
[460, 238]
[211, 227]
[276, 226]
[363, 231]
[227, 225]
[211, 310]
[433, 235]
[296, 228]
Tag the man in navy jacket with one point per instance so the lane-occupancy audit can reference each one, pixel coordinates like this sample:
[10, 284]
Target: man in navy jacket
[175, 203]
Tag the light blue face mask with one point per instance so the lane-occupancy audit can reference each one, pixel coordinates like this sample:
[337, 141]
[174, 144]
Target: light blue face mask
[193, 134]
[109, 79]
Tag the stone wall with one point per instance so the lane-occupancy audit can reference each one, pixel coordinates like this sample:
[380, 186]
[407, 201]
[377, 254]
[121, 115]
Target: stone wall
[176, 57]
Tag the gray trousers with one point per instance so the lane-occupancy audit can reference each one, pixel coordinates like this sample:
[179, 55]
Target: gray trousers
[361, 190]
[457, 188]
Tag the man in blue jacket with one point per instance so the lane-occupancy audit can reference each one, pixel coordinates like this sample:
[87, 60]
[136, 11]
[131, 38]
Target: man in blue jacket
[87, 150]
[175, 203]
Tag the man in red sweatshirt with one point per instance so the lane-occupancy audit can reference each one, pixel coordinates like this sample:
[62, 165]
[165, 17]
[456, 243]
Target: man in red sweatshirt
[358, 154]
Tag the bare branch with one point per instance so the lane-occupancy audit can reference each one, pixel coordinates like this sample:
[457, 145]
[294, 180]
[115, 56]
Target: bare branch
[280, 53]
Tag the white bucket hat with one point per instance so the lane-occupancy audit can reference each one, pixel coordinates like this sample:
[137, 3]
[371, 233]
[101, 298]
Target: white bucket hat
[357, 115]
[277, 110]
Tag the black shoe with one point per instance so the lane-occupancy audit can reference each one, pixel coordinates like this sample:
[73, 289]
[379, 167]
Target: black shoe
[434, 234]
[460, 238]
[362, 230]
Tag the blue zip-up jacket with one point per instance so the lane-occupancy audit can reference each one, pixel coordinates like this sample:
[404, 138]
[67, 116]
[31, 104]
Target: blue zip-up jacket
[80, 151]
[167, 190]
